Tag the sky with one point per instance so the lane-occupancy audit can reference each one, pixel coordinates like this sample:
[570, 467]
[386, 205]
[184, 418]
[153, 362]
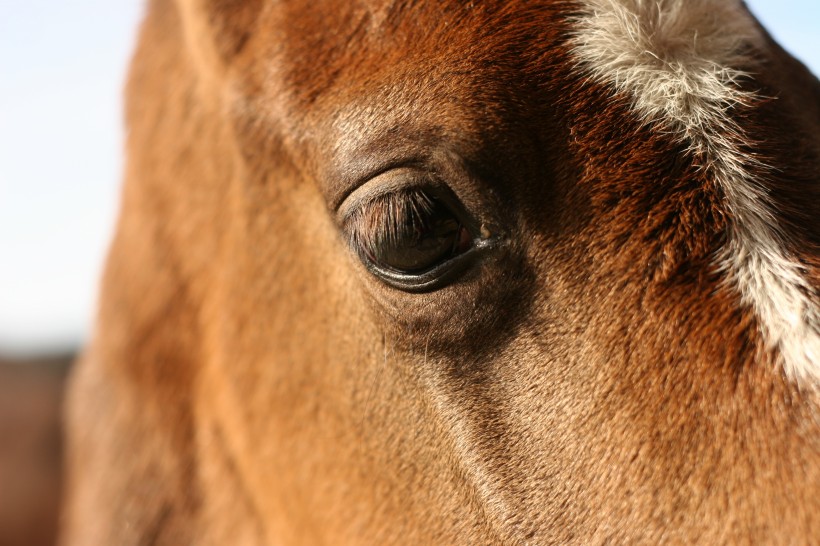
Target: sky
[62, 64]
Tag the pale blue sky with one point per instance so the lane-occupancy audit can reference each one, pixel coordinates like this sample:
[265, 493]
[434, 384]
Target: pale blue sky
[61, 67]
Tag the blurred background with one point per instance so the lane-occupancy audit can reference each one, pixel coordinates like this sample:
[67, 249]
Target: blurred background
[62, 65]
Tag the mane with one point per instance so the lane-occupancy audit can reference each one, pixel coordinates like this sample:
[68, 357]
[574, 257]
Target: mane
[683, 63]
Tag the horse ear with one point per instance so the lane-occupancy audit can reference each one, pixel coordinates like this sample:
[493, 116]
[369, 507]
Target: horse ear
[226, 25]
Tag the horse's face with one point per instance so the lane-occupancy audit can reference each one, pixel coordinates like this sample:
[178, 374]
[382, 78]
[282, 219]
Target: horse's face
[438, 279]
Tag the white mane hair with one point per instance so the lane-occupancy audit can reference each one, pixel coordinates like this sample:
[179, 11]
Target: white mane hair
[680, 62]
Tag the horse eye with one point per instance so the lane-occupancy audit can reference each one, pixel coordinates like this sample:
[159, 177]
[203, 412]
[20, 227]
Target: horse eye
[407, 234]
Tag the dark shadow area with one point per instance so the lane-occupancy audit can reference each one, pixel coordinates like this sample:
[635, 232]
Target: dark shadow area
[31, 396]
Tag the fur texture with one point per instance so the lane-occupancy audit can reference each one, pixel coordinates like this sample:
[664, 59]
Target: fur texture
[683, 63]
[590, 377]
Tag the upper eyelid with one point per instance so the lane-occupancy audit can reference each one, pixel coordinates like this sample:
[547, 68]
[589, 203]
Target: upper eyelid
[384, 215]
[392, 181]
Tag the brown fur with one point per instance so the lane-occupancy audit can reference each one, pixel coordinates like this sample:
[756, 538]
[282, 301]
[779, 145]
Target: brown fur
[592, 380]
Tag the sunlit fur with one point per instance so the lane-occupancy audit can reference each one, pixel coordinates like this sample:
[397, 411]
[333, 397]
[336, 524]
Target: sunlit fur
[682, 62]
[622, 356]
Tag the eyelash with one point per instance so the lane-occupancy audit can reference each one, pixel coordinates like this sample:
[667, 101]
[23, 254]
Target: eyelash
[384, 219]
[415, 238]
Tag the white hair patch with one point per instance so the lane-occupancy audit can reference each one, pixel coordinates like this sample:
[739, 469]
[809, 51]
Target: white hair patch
[678, 61]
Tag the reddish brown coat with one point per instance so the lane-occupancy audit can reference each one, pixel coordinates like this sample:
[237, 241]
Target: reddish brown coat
[592, 380]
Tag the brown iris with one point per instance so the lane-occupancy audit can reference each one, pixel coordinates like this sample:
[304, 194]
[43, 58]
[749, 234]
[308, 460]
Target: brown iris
[408, 231]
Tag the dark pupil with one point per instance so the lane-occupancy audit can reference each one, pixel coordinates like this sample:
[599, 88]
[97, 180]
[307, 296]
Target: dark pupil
[425, 235]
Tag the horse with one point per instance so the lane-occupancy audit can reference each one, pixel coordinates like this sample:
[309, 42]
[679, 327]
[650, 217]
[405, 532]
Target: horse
[404, 272]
